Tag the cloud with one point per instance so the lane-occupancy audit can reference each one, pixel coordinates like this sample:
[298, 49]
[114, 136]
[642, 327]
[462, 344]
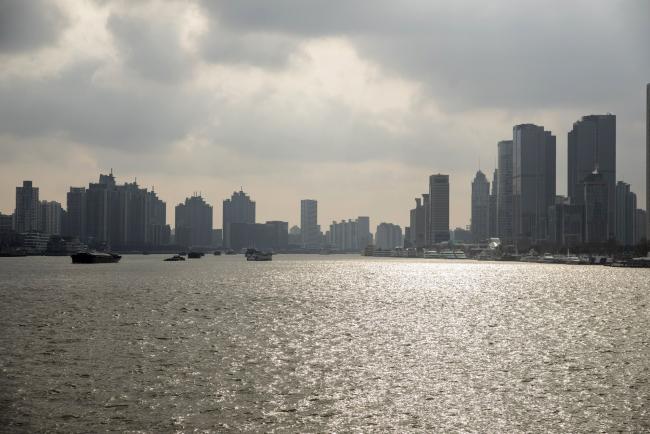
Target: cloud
[151, 48]
[81, 104]
[275, 92]
[28, 25]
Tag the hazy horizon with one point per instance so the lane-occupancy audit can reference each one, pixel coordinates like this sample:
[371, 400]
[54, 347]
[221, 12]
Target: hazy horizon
[353, 104]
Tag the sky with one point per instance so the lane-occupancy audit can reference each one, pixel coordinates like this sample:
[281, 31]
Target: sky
[354, 103]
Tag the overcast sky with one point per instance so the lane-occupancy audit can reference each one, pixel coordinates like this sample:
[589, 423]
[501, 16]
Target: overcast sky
[352, 103]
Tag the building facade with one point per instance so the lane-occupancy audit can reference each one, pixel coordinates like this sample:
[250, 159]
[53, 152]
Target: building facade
[26, 215]
[592, 146]
[596, 207]
[533, 182]
[194, 223]
[640, 228]
[439, 208]
[388, 236]
[417, 225]
[309, 228]
[492, 206]
[504, 191]
[50, 217]
[238, 209]
[480, 219]
[625, 214]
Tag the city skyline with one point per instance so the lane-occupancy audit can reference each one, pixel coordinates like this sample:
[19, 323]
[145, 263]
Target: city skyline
[343, 99]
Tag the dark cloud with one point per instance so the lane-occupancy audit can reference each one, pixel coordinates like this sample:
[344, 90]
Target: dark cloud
[79, 105]
[29, 24]
[504, 54]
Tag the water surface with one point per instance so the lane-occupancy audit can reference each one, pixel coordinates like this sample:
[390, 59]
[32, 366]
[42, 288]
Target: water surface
[322, 343]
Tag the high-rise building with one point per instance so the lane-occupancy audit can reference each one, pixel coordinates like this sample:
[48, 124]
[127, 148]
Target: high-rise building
[388, 236]
[480, 223]
[417, 225]
[504, 191]
[344, 235]
[592, 146]
[6, 223]
[309, 229]
[98, 209]
[194, 222]
[426, 203]
[77, 208]
[238, 209]
[647, 151]
[279, 232]
[625, 214]
[26, 216]
[565, 222]
[439, 205]
[492, 206]
[533, 181]
[595, 208]
[363, 231]
[50, 217]
[640, 229]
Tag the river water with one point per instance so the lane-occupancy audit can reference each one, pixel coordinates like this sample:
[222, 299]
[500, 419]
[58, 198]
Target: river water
[321, 344]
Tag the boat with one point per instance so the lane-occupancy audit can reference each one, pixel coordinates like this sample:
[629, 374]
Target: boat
[195, 255]
[94, 258]
[256, 255]
[432, 254]
[174, 258]
[217, 253]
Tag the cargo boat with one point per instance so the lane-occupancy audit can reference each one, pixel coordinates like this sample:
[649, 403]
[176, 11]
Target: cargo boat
[95, 258]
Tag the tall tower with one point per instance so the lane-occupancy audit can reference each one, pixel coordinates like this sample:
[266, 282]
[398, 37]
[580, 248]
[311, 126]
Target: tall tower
[480, 207]
[238, 209]
[647, 150]
[592, 146]
[309, 231]
[439, 203]
[27, 208]
[504, 191]
[533, 181]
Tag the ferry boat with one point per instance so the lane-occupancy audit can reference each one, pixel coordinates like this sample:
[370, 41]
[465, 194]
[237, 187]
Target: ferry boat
[174, 258]
[94, 258]
[256, 255]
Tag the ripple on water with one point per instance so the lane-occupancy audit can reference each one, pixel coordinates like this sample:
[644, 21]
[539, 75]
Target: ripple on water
[313, 343]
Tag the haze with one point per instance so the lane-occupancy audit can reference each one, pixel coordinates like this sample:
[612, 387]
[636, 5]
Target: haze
[350, 103]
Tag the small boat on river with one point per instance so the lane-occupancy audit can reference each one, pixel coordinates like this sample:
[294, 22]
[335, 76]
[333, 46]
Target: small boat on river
[95, 258]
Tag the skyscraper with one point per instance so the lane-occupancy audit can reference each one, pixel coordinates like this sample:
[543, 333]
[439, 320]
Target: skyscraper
[193, 222]
[439, 203]
[639, 226]
[76, 205]
[533, 181]
[98, 209]
[363, 232]
[480, 223]
[625, 214]
[26, 216]
[595, 204]
[426, 203]
[647, 155]
[417, 225]
[50, 217]
[504, 191]
[238, 209]
[492, 206]
[309, 229]
[388, 236]
[592, 146]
